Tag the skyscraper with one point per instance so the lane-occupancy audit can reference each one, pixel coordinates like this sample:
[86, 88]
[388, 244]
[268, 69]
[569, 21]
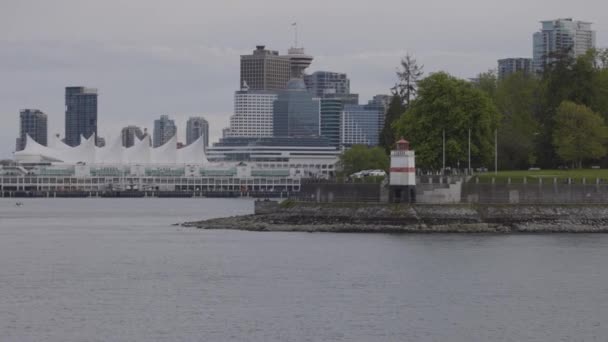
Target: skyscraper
[359, 126]
[295, 112]
[129, 135]
[195, 128]
[560, 36]
[331, 110]
[508, 66]
[164, 130]
[32, 122]
[80, 114]
[253, 110]
[326, 84]
[265, 70]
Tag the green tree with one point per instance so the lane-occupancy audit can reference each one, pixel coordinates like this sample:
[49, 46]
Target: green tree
[488, 82]
[403, 93]
[516, 98]
[361, 157]
[579, 133]
[408, 77]
[445, 103]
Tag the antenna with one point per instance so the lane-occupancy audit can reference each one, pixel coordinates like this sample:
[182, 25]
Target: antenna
[295, 28]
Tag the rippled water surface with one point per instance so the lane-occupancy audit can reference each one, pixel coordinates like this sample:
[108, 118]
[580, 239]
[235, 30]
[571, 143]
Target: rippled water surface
[117, 270]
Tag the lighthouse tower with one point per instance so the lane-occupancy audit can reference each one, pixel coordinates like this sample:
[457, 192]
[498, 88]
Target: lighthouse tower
[402, 174]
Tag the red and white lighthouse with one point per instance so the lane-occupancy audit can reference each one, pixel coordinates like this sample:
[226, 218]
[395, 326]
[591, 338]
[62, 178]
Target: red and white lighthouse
[403, 173]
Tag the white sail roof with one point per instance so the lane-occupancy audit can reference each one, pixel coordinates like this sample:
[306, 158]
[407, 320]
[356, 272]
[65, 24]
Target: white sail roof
[113, 153]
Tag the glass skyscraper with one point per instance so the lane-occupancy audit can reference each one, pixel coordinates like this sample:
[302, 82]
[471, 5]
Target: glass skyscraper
[295, 112]
[32, 122]
[195, 128]
[164, 130]
[331, 109]
[80, 114]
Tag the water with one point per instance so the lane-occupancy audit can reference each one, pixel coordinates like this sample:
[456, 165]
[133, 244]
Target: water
[116, 270]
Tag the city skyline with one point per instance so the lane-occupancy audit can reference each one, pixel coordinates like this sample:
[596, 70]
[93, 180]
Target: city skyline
[137, 74]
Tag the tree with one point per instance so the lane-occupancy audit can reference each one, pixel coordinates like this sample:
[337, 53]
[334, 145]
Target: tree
[403, 93]
[408, 77]
[445, 103]
[488, 82]
[579, 133]
[396, 108]
[516, 98]
[361, 157]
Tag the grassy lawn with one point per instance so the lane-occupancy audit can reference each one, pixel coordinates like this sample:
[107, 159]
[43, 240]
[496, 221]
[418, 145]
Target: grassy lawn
[547, 175]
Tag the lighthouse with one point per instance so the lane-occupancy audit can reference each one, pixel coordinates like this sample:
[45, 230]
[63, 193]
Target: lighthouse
[402, 183]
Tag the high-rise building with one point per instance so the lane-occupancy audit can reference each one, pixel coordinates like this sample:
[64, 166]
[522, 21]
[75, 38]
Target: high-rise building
[379, 103]
[253, 110]
[295, 112]
[359, 126]
[508, 66]
[164, 130]
[32, 122]
[326, 84]
[561, 36]
[195, 128]
[80, 114]
[331, 110]
[265, 70]
[130, 135]
[298, 61]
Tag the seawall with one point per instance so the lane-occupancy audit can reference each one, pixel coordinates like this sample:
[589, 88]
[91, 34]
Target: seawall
[390, 218]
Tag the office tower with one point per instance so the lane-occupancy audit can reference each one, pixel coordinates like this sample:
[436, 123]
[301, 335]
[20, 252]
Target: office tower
[359, 126]
[295, 112]
[510, 66]
[379, 103]
[561, 36]
[130, 135]
[80, 114]
[253, 110]
[164, 130]
[326, 84]
[32, 122]
[265, 70]
[331, 110]
[195, 128]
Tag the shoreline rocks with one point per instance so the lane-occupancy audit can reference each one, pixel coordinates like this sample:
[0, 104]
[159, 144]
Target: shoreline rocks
[424, 219]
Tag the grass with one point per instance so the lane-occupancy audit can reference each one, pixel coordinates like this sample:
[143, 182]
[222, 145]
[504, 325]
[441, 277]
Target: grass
[517, 177]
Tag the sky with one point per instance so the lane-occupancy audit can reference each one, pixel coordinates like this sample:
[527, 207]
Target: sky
[181, 57]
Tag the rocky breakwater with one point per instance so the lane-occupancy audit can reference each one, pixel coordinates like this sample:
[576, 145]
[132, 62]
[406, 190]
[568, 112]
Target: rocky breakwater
[392, 218]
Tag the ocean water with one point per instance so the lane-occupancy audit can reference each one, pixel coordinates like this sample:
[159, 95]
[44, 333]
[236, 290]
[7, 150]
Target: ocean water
[117, 270]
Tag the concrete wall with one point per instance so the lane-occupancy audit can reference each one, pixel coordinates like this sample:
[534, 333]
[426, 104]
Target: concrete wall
[338, 192]
[535, 193]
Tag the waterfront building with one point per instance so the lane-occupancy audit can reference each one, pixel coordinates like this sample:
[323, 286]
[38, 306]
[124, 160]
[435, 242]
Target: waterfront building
[508, 66]
[295, 112]
[164, 130]
[561, 36]
[80, 114]
[309, 156]
[195, 128]
[32, 122]
[253, 113]
[360, 125]
[265, 70]
[130, 135]
[331, 111]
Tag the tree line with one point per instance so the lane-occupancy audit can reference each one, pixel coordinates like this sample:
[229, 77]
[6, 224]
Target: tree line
[548, 120]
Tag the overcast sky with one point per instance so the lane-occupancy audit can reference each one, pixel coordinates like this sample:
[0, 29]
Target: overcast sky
[181, 57]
